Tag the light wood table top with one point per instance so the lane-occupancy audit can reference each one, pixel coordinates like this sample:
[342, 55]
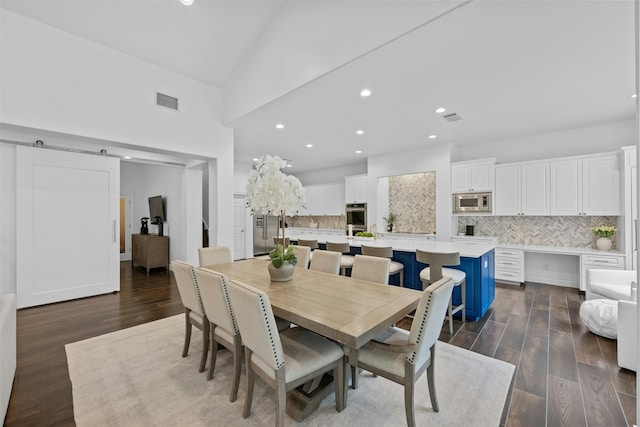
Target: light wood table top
[349, 311]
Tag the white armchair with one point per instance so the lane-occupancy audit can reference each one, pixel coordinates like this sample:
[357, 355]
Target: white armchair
[619, 285]
[609, 284]
[628, 334]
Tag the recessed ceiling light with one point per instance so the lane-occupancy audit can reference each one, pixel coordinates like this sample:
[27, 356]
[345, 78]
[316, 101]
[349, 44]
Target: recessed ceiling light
[358, 151]
[441, 110]
[309, 145]
[635, 95]
[255, 159]
[433, 136]
[365, 93]
[288, 165]
[360, 132]
[186, 2]
[279, 126]
[127, 157]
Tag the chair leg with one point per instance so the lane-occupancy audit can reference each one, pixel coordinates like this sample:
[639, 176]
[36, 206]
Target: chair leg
[409, 409]
[250, 381]
[402, 278]
[463, 289]
[187, 333]
[338, 382]
[450, 315]
[354, 377]
[205, 344]
[431, 380]
[237, 365]
[214, 352]
[281, 399]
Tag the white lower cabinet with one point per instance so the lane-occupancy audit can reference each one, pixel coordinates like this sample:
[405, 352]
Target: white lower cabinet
[509, 265]
[587, 261]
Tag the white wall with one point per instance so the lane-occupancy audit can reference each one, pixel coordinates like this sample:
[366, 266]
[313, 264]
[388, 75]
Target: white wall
[7, 219]
[55, 81]
[298, 47]
[431, 158]
[587, 140]
[241, 177]
[331, 175]
[143, 181]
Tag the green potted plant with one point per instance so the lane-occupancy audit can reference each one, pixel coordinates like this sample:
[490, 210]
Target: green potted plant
[390, 220]
[279, 256]
[604, 233]
[272, 192]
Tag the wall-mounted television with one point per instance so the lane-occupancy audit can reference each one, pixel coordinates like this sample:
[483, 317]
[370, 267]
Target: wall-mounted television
[156, 209]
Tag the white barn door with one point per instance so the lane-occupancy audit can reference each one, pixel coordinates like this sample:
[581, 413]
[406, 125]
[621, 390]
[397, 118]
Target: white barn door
[67, 225]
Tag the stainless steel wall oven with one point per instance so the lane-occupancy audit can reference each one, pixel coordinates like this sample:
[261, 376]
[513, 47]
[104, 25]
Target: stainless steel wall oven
[357, 216]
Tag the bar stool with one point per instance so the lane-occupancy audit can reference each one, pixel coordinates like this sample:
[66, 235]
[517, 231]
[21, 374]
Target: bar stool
[313, 244]
[343, 248]
[436, 271]
[395, 267]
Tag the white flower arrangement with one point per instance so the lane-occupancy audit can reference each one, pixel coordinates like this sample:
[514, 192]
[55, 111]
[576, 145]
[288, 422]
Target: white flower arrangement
[272, 192]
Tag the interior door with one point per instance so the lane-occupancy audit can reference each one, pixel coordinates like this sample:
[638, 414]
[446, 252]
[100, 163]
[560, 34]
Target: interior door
[126, 226]
[239, 227]
[67, 231]
[634, 216]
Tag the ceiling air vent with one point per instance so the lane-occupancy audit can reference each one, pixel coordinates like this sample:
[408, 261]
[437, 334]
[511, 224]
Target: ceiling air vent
[166, 101]
[453, 117]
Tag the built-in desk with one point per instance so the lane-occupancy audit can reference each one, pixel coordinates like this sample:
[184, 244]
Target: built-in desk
[476, 260]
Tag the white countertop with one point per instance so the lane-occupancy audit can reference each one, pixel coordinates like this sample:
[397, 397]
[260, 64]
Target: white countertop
[561, 250]
[466, 249]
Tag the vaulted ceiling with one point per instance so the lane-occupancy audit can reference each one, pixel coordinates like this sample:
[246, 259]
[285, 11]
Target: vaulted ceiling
[508, 69]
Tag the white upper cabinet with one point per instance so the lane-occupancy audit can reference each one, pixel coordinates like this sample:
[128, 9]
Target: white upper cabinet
[601, 185]
[355, 189]
[325, 199]
[472, 177]
[522, 189]
[586, 185]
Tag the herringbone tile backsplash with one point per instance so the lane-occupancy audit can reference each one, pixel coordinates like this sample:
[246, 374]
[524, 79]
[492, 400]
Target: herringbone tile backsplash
[569, 231]
[413, 199]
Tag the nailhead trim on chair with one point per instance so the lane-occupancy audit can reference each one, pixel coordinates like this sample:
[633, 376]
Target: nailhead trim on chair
[412, 355]
[195, 283]
[279, 363]
[227, 300]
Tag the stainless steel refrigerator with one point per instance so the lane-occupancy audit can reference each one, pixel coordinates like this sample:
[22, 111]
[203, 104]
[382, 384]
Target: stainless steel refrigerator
[265, 227]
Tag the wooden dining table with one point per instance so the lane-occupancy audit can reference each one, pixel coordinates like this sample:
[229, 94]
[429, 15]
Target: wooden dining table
[344, 309]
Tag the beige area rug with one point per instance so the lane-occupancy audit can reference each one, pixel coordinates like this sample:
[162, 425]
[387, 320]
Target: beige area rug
[137, 377]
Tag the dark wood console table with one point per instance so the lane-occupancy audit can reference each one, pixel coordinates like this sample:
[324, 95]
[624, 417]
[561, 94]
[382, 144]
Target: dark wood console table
[150, 251]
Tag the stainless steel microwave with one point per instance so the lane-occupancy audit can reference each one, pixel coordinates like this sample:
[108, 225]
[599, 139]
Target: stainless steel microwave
[472, 203]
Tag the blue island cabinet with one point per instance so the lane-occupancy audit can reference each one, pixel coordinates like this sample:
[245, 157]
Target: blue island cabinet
[480, 284]
[480, 279]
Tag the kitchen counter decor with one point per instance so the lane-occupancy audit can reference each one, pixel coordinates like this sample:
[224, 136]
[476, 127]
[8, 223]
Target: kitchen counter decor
[604, 233]
[272, 192]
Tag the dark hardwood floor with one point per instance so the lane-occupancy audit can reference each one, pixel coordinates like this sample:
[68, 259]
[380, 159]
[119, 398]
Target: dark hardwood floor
[565, 376]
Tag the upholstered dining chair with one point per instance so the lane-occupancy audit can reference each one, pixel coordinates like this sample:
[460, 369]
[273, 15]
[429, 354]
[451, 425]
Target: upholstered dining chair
[395, 267]
[214, 255]
[371, 268]
[278, 241]
[402, 356]
[326, 261]
[286, 360]
[223, 326]
[311, 244]
[346, 262]
[436, 271]
[303, 254]
[193, 309]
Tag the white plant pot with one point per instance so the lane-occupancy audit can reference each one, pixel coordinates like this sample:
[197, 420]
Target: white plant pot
[604, 243]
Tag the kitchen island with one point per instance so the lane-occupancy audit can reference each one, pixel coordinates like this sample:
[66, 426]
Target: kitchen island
[476, 260]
